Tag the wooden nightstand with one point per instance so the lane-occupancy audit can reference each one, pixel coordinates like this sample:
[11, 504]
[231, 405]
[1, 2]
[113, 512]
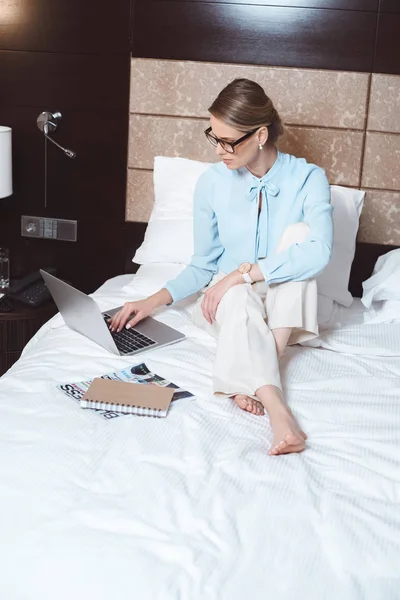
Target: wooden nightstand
[17, 328]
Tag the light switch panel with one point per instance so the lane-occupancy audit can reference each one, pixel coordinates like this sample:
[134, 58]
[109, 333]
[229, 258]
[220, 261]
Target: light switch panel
[47, 228]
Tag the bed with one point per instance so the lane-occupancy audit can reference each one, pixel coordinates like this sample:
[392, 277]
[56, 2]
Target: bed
[191, 507]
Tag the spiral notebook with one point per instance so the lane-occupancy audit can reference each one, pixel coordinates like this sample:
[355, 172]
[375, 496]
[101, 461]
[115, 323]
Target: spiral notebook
[128, 398]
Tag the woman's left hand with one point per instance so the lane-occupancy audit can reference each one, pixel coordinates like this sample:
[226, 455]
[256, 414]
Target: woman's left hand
[215, 293]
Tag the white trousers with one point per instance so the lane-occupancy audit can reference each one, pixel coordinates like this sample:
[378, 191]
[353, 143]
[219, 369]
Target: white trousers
[246, 356]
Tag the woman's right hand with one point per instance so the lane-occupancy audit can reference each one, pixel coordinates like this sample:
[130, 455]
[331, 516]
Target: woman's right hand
[141, 309]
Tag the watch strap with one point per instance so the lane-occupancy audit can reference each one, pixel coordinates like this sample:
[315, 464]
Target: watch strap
[247, 278]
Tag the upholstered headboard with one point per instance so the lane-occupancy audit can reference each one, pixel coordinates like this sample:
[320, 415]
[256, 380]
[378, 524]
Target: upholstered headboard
[339, 120]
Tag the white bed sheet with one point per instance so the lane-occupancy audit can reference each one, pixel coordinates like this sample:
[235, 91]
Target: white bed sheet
[191, 507]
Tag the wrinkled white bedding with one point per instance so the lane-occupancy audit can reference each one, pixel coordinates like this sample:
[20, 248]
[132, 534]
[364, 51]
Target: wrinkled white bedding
[191, 507]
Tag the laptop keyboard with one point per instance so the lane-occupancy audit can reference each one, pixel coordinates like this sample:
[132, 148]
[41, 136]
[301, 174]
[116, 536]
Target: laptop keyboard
[129, 340]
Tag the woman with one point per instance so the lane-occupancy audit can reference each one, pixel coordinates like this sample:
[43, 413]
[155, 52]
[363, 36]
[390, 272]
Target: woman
[262, 232]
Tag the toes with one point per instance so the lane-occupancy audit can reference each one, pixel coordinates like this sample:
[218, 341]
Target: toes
[292, 449]
[281, 447]
[260, 409]
[255, 410]
[249, 404]
[278, 448]
[255, 407]
[303, 435]
[291, 443]
[241, 401]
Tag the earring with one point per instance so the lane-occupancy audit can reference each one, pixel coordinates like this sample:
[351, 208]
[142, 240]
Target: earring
[260, 146]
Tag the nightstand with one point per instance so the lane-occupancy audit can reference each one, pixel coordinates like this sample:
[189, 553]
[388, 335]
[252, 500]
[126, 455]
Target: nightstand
[17, 327]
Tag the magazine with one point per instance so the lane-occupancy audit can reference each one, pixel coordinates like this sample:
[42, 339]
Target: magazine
[135, 374]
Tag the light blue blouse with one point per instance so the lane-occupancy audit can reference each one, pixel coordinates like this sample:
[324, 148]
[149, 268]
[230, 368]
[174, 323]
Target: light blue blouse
[229, 231]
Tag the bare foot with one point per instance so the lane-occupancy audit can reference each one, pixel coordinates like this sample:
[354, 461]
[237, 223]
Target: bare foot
[246, 403]
[288, 437]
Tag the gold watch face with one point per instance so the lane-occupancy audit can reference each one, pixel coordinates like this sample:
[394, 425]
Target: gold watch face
[244, 268]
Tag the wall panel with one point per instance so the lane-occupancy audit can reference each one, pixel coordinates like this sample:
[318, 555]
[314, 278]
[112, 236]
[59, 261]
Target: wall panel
[384, 107]
[380, 218]
[141, 191]
[363, 5]
[387, 56]
[382, 161]
[73, 80]
[168, 116]
[390, 6]
[339, 152]
[254, 34]
[302, 96]
[92, 181]
[72, 57]
[78, 26]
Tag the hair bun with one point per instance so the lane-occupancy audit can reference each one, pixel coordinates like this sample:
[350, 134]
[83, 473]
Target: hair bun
[244, 105]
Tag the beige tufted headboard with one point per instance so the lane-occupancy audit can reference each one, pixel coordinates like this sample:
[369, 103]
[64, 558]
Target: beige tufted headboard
[346, 122]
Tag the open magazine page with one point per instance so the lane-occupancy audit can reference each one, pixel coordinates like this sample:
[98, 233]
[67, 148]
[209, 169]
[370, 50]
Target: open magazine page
[148, 377]
[135, 374]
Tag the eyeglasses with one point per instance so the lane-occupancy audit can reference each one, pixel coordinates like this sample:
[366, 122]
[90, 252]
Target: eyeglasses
[227, 146]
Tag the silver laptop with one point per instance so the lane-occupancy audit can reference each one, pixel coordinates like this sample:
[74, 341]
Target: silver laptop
[81, 313]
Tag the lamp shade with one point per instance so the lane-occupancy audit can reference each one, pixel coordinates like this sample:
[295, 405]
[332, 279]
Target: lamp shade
[5, 162]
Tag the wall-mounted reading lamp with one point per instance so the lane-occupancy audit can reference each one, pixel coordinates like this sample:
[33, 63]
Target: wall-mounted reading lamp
[46, 227]
[47, 123]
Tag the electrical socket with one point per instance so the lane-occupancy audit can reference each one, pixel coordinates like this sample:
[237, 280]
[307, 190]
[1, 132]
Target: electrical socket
[48, 228]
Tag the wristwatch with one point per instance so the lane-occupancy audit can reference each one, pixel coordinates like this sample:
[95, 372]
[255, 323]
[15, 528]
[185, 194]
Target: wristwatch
[245, 269]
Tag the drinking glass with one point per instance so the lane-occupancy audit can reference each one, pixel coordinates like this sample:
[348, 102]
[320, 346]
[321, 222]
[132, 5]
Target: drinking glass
[4, 269]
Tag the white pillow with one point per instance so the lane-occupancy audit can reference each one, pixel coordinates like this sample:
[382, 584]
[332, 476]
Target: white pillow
[384, 284]
[333, 282]
[151, 277]
[169, 234]
[387, 311]
[166, 241]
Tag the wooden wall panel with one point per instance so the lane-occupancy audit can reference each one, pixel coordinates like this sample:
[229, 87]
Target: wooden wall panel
[387, 57]
[390, 6]
[91, 189]
[95, 106]
[287, 36]
[84, 26]
[364, 5]
[73, 57]
[102, 251]
[73, 80]
[97, 132]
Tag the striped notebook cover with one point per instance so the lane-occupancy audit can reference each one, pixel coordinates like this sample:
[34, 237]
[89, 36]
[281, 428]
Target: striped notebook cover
[128, 398]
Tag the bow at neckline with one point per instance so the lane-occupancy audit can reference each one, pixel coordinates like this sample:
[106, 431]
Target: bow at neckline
[259, 186]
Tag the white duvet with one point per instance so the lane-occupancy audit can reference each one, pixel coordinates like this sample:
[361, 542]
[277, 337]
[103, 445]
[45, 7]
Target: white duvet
[192, 507]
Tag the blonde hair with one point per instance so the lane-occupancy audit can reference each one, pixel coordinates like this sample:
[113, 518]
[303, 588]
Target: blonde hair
[244, 105]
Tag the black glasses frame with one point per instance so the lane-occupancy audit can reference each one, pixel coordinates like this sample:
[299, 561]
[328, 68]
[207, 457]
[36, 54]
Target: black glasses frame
[226, 145]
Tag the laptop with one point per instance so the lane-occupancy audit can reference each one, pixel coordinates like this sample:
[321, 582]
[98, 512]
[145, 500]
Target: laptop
[81, 313]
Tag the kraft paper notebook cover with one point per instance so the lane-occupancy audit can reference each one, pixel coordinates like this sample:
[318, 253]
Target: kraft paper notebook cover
[131, 398]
